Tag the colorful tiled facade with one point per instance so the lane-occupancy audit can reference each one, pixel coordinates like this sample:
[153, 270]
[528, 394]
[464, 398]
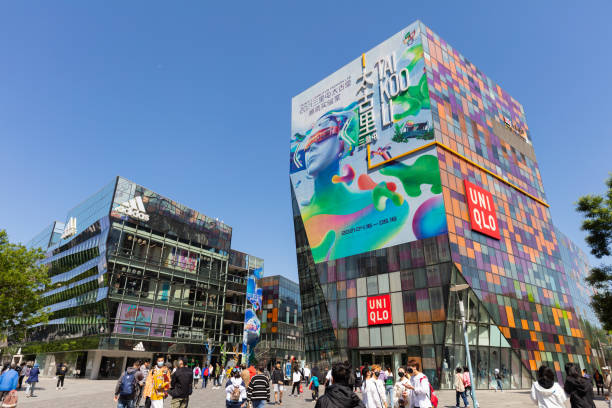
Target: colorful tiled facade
[523, 305]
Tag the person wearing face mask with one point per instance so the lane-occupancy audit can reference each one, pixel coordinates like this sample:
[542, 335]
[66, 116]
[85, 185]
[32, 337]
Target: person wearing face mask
[419, 384]
[157, 385]
[373, 389]
[401, 394]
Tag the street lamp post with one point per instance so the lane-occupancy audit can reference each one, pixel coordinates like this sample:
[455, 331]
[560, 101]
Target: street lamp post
[458, 289]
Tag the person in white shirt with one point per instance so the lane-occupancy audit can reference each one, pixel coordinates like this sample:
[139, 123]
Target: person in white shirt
[401, 394]
[296, 378]
[306, 374]
[373, 389]
[545, 392]
[328, 378]
[419, 384]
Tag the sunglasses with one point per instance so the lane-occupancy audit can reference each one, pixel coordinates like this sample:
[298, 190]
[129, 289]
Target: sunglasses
[321, 136]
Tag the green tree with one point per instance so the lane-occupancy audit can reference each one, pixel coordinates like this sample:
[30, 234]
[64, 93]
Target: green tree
[22, 282]
[597, 213]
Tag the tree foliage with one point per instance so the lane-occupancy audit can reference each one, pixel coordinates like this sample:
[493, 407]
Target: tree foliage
[22, 281]
[597, 213]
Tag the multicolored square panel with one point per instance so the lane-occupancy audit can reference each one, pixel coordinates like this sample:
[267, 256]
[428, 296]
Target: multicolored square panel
[521, 278]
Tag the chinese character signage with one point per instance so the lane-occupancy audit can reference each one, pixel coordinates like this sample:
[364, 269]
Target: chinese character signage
[482, 210]
[357, 184]
[379, 310]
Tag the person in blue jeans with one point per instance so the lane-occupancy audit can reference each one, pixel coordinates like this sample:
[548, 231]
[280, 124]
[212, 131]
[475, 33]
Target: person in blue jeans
[460, 388]
[32, 380]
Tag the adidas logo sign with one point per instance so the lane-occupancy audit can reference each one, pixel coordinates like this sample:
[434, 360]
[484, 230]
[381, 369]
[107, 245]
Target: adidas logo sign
[139, 347]
[70, 228]
[134, 208]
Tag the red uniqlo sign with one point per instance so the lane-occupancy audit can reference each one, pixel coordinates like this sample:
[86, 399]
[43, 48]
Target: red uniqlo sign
[379, 310]
[482, 210]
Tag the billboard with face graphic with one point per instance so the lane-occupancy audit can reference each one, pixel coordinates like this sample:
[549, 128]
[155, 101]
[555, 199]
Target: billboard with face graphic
[358, 182]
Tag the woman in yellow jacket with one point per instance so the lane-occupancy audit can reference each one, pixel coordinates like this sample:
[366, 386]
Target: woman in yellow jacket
[157, 384]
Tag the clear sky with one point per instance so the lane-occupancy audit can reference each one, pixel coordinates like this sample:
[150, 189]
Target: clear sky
[192, 99]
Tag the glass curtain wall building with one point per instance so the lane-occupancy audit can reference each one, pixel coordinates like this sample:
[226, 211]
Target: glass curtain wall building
[134, 275]
[281, 322]
[411, 172]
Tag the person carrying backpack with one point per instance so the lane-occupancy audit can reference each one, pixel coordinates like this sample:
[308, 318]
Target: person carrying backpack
[127, 389]
[235, 390]
[197, 374]
[205, 374]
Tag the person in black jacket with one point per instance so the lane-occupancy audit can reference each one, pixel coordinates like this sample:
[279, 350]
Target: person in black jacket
[278, 381]
[579, 389]
[340, 394]
[181, 385]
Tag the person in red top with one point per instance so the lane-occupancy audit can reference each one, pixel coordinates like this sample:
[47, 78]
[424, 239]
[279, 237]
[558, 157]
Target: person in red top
[468, 383]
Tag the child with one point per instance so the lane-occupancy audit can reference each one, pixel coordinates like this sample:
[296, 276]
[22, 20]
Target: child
[314, 386]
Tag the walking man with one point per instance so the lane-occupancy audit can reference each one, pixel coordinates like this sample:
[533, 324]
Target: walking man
[181, 386]
[156, 385]
[258, 391]
[277, 380]
[127, 388]
[60, 373]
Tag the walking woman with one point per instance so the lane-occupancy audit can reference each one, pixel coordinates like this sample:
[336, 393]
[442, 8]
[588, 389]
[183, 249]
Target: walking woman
[297, 379]
[372, 391]
[460, 388]
[468, 383]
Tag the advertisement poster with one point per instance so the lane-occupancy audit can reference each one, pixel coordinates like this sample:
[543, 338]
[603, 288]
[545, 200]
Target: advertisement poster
[143, 320]
[358, 183]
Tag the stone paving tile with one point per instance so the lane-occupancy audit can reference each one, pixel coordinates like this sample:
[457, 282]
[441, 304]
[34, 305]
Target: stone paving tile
[99, 394]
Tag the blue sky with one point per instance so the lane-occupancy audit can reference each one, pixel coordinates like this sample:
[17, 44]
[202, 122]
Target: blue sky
[192, 99]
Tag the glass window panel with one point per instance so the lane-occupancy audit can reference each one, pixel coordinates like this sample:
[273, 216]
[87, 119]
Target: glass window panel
[393, 258]
[341, 289]
[372, 283]
[375, 340]
[449, 333]
[483, 335]
[495, 336]
[364, 337]
[426, 331]
[410, 306]
[438, 329]
[395, 281]
[516, 371]
[407, 278]
[397, 308]
[506, 368]
[383, 283]
[436, 300]
[333, 313]
[433, 275]
[424, 314]
[399, 335]
[386, 333]
[342, 314]
[420, 278]
[404, 256]
[351, 311]
[351, 288]
[362, 312]
[412, 334]
[482, 368]
[362, 289]
[472, 330]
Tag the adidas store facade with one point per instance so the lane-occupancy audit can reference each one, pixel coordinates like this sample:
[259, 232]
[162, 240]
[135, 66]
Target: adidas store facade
[134, 275]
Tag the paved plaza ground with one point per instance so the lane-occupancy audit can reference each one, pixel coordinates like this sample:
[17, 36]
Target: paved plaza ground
[99, 394]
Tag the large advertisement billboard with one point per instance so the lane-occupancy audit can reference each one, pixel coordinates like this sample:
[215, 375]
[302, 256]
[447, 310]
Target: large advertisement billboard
[358, 181]
[143, 320]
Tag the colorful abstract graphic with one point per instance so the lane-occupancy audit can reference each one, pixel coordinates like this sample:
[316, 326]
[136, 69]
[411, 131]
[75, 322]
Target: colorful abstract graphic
[353, 196]
[143, 320]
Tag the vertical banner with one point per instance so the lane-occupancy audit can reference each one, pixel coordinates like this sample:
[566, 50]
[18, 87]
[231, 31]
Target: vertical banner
[252, 325]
